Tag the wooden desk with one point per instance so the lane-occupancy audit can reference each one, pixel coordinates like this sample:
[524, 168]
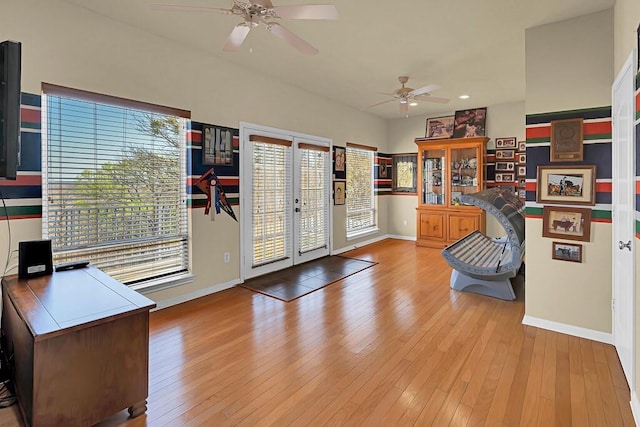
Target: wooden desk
[78, 342]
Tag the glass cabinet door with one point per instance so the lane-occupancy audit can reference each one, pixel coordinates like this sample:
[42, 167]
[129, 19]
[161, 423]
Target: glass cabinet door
[433, 177]
[464, 173]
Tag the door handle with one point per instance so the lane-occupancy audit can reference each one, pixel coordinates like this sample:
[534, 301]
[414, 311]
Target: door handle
[627, 245]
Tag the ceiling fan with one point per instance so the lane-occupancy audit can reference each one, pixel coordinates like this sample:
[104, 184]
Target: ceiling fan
[258, 12]
[406, 95]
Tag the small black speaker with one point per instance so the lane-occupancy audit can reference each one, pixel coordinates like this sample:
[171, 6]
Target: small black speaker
[34, 258]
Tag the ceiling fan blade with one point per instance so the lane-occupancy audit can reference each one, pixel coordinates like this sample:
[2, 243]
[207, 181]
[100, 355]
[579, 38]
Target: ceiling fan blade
[404, 108]
[309, 11]
[429, 98]
[180, 8]
[379, 103]
[236, 38]
[424, 90]
[295, 41]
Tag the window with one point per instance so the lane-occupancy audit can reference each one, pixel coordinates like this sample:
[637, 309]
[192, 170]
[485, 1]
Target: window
[360, 202]
[114, 184]
[404, 173]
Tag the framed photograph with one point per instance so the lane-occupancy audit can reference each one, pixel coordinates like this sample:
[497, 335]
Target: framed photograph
[522, 158]
[522, 194]
[470, 123]
[439, 127]
[505, 166]
[566, 252]
[382, 168]
[566, 140]
[522, 183]
[566, 223]
[522, 171]
[570, 185]
[506, 142]
[504, 177]
[404, 173]
[338, 192]
[339, 161]
[217, 145]
[522, 146]
[505, 154]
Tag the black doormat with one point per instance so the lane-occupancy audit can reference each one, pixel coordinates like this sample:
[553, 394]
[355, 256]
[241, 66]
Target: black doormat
[299, 280]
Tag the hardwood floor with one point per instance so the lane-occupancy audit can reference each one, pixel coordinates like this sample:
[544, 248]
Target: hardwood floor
[391, 345]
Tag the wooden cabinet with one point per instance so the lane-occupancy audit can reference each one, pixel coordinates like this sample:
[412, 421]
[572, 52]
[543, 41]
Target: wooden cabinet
[77, 343]
[448, 169]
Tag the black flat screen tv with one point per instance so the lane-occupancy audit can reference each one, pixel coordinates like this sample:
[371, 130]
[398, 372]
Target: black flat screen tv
[10, 71]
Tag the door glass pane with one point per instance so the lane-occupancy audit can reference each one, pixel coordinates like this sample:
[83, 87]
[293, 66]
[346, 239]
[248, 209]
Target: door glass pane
[464, 173]
[271, 195]
[433, 170]
[313, 200]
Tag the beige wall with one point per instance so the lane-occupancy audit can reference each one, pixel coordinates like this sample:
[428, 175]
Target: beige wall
[502, 120]
[70, 46]
[568, 66]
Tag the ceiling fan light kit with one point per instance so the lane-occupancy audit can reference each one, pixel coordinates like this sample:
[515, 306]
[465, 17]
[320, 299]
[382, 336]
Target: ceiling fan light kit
[407, 96]
[263, 12]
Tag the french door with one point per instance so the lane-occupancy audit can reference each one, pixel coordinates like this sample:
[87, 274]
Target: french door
[285, 208]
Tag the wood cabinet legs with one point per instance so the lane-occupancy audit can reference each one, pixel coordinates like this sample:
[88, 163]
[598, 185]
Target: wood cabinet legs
[138, 409]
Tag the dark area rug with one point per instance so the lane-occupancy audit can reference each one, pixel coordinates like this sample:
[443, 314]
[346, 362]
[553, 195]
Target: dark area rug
[299, 280]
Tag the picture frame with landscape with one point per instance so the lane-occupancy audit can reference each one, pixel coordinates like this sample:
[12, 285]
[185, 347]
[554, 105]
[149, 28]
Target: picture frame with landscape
[439, 127]
[570, 223]
[569, 185]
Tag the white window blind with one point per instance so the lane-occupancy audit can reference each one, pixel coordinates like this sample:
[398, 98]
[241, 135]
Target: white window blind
[271, 197]
[114, 191]
[360, 191]
[313, 233]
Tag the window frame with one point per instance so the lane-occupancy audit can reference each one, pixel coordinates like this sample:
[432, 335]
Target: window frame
[154, 282]
[373, 226]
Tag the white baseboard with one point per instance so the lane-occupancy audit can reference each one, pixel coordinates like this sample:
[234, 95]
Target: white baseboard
[635, 407]
[399, 237]
[196, 294]
[563, 328]
[358, 245]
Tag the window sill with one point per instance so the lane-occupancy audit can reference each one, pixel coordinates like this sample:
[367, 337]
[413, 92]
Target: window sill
[163, 283]
[362, 233]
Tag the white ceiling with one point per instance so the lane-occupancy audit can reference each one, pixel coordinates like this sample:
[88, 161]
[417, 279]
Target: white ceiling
[464, 46]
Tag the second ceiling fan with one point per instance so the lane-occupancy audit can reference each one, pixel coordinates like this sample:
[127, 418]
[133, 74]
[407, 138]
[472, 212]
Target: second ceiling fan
[405, 95]
[257, 12]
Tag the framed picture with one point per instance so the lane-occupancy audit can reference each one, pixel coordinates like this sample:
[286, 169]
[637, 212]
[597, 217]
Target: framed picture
[522, 183]
[522, 158]
[566, 140]
[571, 185]
[522, 146]
[504, 177]
[522, 171]
[522, 194]
[566, 223]
[439, 127]
[470, 123]
[404, 173]
[382, 168]
[566, 252]
[339, 161]
[505, 166]
[505, 154]
[338, 192]
[506, 142]
[217, 145]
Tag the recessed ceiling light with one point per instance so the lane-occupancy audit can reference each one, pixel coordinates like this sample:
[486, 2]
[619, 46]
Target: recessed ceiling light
[413, 104]
[464, 97]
